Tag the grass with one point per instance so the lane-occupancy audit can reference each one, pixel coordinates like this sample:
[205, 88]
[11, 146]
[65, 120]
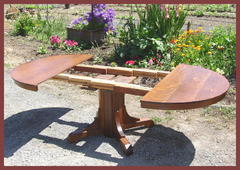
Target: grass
[226, 112]
[7, 65]
[35, 6]
[166, 119]
[46, 28]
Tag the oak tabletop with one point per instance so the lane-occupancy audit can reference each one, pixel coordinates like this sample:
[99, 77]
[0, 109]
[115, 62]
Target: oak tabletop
[30, 74]
[186, 87]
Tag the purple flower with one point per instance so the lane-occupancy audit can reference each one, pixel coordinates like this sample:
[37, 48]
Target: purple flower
[100, 15]
[77, 21]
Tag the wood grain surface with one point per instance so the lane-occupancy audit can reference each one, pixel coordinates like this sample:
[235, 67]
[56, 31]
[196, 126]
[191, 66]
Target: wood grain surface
[186, 87]
[30, 74]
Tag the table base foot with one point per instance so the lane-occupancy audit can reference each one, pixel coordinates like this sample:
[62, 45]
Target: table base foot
[92, 130]
[126, 146]
[133, 122]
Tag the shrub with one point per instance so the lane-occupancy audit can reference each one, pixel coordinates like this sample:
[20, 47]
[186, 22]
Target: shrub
[23, 25]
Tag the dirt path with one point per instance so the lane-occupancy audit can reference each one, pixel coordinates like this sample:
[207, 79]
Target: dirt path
[36, 125]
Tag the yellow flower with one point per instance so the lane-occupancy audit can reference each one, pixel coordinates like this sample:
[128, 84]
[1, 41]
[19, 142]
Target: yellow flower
[219, 71]
[178, 49]
[200, 28]
[209, 52]
[180, 45]
[183, 54]
[197, 48]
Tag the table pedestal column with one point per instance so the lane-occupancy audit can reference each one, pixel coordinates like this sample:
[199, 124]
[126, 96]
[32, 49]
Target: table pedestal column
[111, 120]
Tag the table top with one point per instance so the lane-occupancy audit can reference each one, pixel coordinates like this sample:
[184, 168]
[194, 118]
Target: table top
[30, 74]
[186, 87]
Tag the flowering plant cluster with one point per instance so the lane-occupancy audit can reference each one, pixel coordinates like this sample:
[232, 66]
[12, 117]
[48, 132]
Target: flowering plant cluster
[150, 36]
[214, 50]
[55, 41]
[99, 18]
[68, 45]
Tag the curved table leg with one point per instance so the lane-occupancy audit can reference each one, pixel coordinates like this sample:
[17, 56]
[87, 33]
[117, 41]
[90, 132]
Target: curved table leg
[91, 130]
[124, 143]
[131, 122]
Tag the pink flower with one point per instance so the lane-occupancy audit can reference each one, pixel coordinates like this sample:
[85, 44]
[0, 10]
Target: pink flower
[162, 6]
[70, 43]
[167, 13]
[130, 62]
[55, 39]
[150, 62]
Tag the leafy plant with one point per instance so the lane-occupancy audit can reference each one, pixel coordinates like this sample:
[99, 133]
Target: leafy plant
[147, 39]
[42, 50]
[23, 25]
[161, 21]
[98, 59]
[44, 29]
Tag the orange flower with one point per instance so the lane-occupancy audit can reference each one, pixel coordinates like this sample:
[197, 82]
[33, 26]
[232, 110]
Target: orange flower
[174, 41]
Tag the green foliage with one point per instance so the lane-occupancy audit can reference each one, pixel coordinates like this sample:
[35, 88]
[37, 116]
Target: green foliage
[70, 49]
[34, 6]
[218, 8]
[98, 59]
[215, 50]
[198, 13]
[44, 29]
[163, 23]
[113, 64]
[143, 40]
[42, 50]
[23, 25]
[41, 29]
[165, 119]
[226, 112]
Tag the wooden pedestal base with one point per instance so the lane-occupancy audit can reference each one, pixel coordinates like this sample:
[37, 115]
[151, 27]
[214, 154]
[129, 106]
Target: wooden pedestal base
[111, 120]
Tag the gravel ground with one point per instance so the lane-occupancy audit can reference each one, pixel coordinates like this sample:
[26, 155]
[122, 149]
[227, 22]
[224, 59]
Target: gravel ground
[37, 123]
